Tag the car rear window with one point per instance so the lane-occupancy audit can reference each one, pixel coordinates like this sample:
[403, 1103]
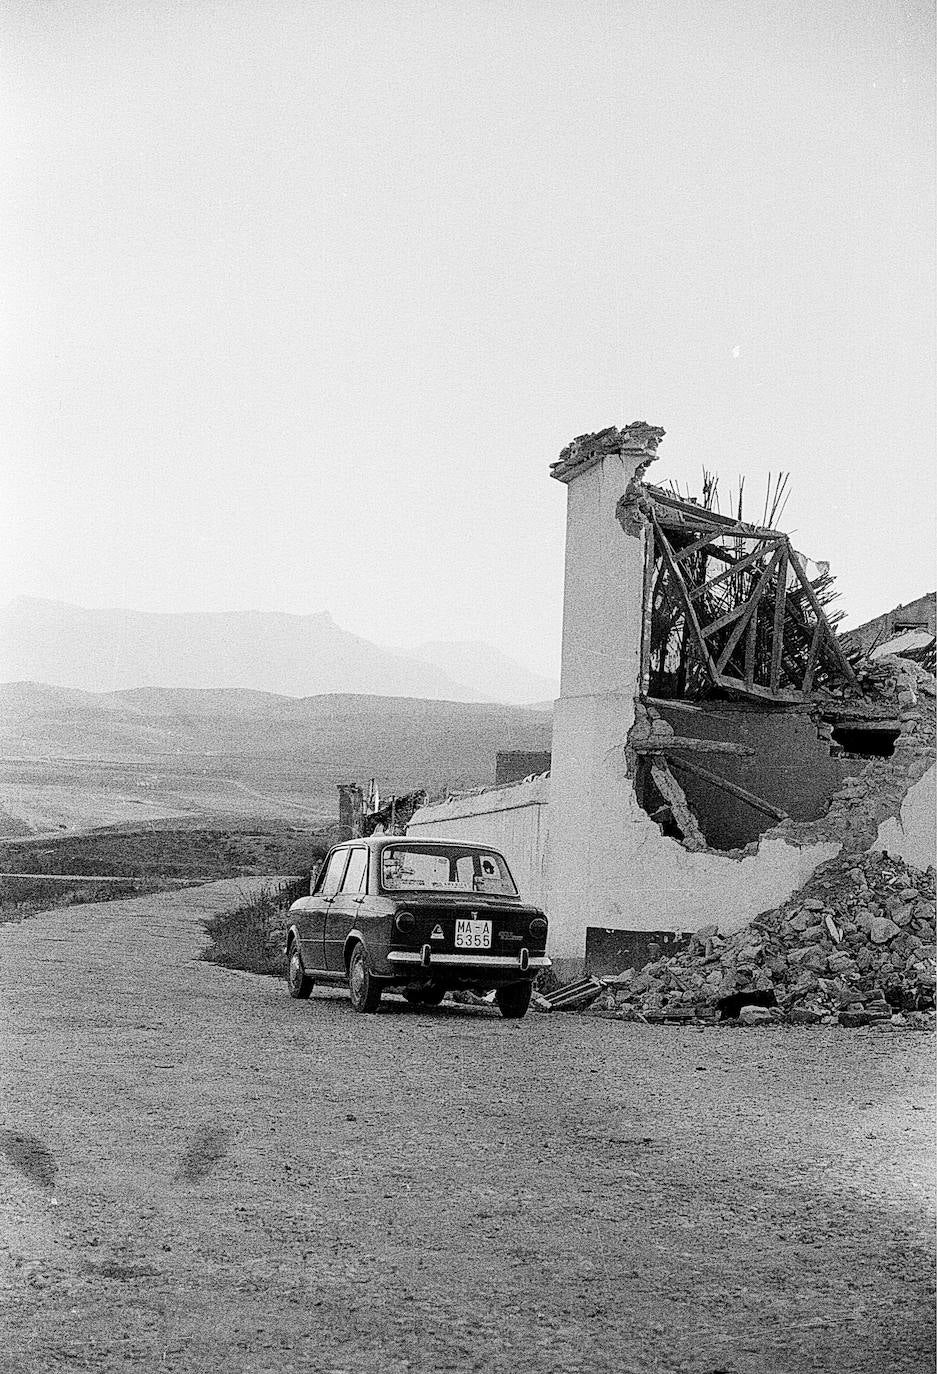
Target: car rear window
[449, 870]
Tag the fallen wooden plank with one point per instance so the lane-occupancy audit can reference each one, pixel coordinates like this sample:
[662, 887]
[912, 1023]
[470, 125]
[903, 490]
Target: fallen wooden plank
[681, 555]
[784, 696]
[664, 745]
[726, 619]
[777, 646]
[571, 995]
[735, 567]
[672, 792]
[721, 524]
[732, 788]
[821, 617]
[676, 704]
[750, 651]
[751, 606]
[647, 605]
[680, 587]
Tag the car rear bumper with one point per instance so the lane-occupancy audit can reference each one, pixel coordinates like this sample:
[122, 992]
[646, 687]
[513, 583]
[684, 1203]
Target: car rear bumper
[472, 961]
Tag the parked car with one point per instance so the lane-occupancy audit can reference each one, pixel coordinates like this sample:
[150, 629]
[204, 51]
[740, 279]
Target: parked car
[423, 915]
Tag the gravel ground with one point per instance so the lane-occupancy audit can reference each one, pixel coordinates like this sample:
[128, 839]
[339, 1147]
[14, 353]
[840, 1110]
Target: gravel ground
[197, 1173]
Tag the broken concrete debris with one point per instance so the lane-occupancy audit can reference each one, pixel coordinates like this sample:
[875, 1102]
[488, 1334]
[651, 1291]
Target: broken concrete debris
[789, 966]
[909, 630]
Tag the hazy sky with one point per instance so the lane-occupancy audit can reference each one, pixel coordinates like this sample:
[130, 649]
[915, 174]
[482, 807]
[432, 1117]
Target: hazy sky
[301, 299]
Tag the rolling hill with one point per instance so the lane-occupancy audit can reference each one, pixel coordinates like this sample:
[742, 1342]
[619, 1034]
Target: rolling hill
[74, 758]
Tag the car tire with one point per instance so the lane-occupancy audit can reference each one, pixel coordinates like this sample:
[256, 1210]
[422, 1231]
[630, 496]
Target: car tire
[363, 988]
[514, 1000]
[424, 997]
[297, 979]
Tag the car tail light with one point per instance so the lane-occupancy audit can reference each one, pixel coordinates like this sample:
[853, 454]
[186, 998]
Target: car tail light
[405, 922]
[538, 928]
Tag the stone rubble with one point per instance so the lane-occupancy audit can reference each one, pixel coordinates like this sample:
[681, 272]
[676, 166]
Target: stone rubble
[855, 947]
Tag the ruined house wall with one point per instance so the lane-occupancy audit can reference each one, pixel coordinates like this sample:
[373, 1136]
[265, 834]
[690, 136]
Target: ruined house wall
[599, 860]
[610, 866]
[792, 767]
[886, 805]
[512, 819]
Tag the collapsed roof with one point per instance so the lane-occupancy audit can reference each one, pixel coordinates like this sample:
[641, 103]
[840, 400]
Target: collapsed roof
[730, 608]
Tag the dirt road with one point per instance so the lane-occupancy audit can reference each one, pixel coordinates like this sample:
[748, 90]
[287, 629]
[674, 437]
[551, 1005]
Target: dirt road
[197, 1173]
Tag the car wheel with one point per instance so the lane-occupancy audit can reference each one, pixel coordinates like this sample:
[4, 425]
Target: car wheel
[364, 989]
[424, 997]
[513, 1000]
[297, 979]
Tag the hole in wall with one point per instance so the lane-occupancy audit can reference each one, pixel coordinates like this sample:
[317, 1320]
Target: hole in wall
[653, 802]
[724, 825]
[866, 742]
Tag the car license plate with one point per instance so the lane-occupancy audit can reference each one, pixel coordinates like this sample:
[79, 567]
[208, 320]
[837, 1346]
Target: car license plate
[473, 935]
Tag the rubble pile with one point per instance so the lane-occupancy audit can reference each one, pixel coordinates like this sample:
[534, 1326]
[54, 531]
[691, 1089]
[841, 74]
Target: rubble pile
[855, 946]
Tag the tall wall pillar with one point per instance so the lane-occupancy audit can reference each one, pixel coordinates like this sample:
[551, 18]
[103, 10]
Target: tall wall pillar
[350, 803]
[591, 799]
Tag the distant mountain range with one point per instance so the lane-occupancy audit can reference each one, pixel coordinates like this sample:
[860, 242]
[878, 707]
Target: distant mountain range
[265, 651]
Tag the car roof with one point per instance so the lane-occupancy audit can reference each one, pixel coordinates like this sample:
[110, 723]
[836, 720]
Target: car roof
[415, 842]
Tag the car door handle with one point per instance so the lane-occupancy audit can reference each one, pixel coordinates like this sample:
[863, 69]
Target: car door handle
[358, 901]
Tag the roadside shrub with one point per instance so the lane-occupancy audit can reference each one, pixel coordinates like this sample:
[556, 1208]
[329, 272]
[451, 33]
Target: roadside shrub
[246, 938]
[291, 891]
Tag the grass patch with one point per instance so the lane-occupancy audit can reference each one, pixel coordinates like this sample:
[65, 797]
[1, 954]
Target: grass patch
[241, 938]
[21, 898]
[169, 852]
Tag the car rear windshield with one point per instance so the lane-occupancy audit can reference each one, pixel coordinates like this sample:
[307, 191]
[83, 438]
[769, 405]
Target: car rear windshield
[449, 870]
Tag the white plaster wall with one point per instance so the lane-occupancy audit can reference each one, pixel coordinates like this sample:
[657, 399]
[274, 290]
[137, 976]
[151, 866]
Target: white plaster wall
[912, 835]
[604, 577]
[609, 864]
[601, 649]
[512, 820]
[619, 871]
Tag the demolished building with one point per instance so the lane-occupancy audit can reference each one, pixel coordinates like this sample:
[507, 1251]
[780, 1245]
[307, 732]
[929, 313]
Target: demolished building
[359, 816]
[715, 740]
[909, 630]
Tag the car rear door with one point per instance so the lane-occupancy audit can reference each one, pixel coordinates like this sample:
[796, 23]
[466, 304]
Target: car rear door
[313, 926]
[345, 907]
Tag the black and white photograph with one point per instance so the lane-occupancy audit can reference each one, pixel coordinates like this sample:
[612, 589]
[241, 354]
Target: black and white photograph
[467, 686]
